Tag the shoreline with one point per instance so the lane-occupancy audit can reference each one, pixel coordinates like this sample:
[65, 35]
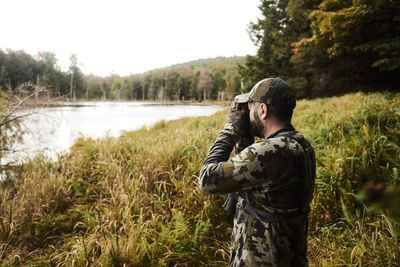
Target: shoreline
[52, 130]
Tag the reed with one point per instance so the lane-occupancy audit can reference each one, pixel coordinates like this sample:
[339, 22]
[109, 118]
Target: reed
[134, 200]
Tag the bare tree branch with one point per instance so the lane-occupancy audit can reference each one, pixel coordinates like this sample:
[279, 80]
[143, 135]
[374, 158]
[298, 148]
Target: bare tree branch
[26, 95]
[38, 89]
[16, 118]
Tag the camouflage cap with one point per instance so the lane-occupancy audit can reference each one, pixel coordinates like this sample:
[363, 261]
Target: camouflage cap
[272, 91]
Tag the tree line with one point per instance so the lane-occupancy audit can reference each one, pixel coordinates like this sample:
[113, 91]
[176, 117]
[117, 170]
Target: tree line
[214, 78]
[326, 47]
[320, 47]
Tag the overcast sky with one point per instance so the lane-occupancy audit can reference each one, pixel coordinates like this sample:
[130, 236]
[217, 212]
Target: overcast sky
[128, 36]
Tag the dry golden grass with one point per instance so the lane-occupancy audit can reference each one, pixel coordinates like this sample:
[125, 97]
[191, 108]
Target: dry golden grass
[134, 200]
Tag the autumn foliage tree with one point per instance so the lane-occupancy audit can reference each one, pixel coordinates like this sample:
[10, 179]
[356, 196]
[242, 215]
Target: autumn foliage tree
[363, 36]
[327, 47]
[205, 82]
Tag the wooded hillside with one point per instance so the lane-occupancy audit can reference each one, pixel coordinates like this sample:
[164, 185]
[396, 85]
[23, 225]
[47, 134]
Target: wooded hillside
[213, 78]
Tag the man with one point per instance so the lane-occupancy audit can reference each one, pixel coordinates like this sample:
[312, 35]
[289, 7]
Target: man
[273, 179]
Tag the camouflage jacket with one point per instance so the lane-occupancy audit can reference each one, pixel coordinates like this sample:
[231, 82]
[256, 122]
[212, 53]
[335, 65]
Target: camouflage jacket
[275, 176]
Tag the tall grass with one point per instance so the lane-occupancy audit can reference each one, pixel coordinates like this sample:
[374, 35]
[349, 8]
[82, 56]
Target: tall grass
[134, 200]
[357, 142]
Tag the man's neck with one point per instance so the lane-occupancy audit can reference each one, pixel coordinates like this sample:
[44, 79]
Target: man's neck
[272, 127]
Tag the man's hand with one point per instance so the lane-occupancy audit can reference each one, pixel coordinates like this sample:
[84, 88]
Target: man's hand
[238, 120]
[244, 141]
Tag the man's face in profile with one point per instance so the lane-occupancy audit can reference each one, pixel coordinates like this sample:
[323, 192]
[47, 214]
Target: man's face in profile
[256, 127]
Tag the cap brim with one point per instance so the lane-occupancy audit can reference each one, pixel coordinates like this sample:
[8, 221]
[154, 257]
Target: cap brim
[244, 98]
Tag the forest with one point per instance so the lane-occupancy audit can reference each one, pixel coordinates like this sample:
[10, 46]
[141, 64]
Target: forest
[328, 47]
[321, 48]
[216, 78]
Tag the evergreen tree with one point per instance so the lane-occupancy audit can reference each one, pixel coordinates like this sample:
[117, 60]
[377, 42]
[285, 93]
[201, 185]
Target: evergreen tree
[76, 79]
[195, 94]
[282, 24]
[362, 40]
[266, 34]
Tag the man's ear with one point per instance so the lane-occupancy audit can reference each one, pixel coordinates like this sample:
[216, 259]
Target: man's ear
[263, 111]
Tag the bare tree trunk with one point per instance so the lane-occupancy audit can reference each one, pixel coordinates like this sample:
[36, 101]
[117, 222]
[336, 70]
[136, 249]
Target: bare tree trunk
[73, 94]
[143, 89]
[71, 85]
[178, 94]
[161, 93]
[37, 83]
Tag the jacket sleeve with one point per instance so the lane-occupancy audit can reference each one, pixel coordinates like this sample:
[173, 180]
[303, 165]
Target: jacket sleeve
[254, 167]
[245, 171]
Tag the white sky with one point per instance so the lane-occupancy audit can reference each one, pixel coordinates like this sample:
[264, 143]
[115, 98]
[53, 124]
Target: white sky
[125, 37]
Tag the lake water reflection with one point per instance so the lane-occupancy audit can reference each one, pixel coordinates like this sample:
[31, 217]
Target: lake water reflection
[54, 129]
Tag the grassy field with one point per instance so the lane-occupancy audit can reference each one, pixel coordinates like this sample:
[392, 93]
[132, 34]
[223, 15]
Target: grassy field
[134, 200]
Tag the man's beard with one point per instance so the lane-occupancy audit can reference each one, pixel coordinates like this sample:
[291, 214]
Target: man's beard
[256, 127]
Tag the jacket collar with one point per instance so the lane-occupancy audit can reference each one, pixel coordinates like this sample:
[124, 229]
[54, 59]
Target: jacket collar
[288, 128]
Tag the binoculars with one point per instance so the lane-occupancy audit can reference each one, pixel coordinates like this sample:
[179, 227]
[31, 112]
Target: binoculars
[230, 203]
[242, 106]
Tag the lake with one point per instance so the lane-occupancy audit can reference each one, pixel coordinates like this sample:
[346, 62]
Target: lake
[54, 129]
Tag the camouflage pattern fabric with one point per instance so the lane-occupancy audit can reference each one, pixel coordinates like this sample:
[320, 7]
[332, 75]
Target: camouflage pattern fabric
[276, 176]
